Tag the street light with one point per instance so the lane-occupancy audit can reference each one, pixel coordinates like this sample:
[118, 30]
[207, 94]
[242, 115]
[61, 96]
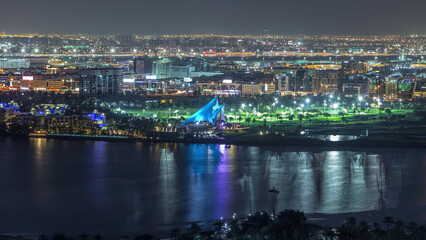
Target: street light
[307, 103]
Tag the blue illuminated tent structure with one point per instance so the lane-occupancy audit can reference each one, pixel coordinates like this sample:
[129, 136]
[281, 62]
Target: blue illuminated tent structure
[219, 110]
[208, 113]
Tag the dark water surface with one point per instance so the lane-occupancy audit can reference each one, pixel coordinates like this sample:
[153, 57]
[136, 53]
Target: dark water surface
[118, 189]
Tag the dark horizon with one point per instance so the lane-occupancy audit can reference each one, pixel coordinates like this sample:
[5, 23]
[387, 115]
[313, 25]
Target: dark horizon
[236, 17]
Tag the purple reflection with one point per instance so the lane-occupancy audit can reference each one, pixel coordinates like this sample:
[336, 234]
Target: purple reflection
[223, 183]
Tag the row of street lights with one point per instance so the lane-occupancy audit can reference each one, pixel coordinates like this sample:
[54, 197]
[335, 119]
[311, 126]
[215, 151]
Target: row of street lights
[334, 105]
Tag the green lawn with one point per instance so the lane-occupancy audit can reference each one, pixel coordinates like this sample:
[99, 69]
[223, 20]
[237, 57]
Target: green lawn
[332, 124]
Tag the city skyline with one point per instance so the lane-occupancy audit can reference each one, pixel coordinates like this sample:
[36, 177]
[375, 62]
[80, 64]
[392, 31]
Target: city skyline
[218, 17]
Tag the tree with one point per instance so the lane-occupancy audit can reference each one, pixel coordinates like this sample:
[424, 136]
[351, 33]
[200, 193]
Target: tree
[43, 237]
[300, 117]
[195, 231]
[327, 115]
[83, 236]
[144, 237]
[174, 233]
[59, 236]
[3, 129]
[388, 220]
[97, 237]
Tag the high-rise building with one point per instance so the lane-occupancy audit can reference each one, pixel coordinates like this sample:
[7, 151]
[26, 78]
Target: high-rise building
[161, 68]
[143, 65]
[100, 81]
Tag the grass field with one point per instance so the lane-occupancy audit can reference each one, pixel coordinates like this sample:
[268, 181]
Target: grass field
[377, 122]
[383, 128]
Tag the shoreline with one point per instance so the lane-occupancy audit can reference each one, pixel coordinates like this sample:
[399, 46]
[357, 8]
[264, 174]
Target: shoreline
[263, 141]
[317, 218]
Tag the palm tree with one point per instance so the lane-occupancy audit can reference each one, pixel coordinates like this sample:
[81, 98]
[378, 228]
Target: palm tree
[97, 237]
[413, 229]
[174, 233]
[388, 220]
[300, 117]
[144, 237]
[83, 236]
[43, 237]
[351, 221]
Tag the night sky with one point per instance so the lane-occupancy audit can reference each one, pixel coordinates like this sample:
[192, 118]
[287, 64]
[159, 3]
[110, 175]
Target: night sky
[214, 16]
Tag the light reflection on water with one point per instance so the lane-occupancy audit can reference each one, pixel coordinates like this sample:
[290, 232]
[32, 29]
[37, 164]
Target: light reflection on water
[126, 188]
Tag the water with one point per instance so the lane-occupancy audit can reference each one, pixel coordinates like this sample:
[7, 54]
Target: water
[333, 138]
[116, 189]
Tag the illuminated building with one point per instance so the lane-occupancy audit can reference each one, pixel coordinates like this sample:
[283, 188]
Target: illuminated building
[38, 123]
[128, 84]
[100, 81]
[220, 88]
[4, 81]
[325, 81]
[14, 63]
[352, 67]
[161, 68]
[181, 71]
[228, 87]
[143, 65]
[354, 85]
[26, 83]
